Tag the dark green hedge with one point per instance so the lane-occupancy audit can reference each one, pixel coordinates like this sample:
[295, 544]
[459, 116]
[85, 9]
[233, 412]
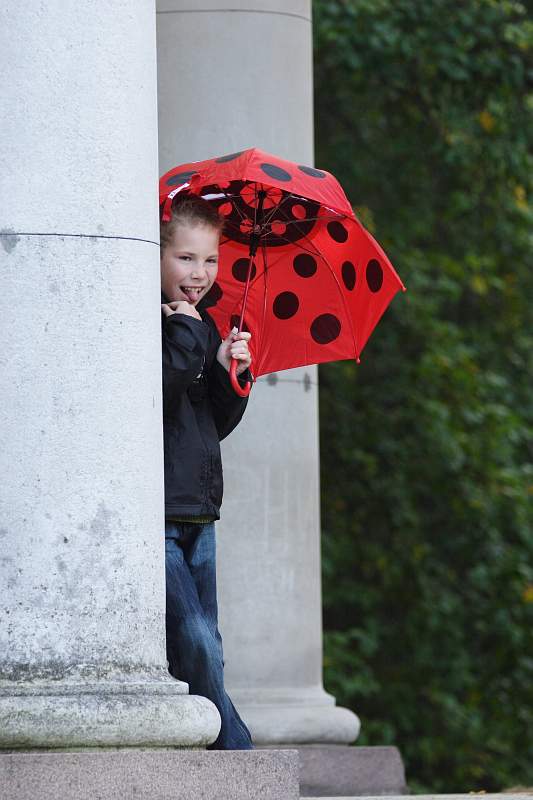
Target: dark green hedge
[424, 112]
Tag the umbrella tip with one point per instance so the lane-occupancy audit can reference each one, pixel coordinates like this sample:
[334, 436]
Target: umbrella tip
[357, 360]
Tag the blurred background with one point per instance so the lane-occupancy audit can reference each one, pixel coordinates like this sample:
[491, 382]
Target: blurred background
[423, 110]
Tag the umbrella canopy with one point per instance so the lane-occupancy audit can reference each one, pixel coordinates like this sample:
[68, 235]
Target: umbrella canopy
[316, 282]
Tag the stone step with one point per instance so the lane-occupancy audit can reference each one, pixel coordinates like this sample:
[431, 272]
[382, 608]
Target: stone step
[331, 770]
[184, 774]
[470, 796]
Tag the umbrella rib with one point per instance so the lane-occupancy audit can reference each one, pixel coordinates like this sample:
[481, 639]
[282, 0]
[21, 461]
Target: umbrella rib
[235, 206]
[234, 225]
[312, 219]
[277, 208]
[297, 221]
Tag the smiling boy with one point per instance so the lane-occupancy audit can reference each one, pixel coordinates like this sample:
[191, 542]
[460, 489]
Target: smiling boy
[200, 408]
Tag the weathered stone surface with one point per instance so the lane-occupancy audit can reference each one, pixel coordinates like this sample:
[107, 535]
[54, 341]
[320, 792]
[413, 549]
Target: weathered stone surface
[134, 714]
[151, 775]
[346, 771]
[82, 607]
[296, 717]
[504, 796]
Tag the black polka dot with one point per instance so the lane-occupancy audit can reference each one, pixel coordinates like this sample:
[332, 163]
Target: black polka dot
[181, 177]
[273, 171]
[337, 231]
[285, 305]
[234, 323]
[312, 172]
[348, 275]
[325, 328]
[230, 157]
[374, 275]
[305, 265]
[239, 270]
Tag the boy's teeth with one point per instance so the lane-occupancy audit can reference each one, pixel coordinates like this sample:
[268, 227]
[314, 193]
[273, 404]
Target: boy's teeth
[191, 292]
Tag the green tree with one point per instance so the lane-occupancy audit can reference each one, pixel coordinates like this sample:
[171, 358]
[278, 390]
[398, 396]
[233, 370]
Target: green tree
[424, 113]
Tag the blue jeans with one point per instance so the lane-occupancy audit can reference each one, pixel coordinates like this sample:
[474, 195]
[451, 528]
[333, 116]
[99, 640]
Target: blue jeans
[194, 643]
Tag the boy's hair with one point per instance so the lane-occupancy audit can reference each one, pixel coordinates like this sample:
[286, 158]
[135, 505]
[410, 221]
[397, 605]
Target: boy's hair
[189, 209]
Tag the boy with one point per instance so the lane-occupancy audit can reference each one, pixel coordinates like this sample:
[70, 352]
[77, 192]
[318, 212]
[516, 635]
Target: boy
[200, 408]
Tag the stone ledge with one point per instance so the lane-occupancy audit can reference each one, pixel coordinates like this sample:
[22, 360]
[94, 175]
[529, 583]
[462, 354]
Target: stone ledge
[348, 771]
[150, 775]
[471, 796]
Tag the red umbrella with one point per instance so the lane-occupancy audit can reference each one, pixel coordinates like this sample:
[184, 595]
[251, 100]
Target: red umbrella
[296, 267]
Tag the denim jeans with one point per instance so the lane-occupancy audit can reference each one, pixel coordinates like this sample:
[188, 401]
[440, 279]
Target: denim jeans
[194, 643]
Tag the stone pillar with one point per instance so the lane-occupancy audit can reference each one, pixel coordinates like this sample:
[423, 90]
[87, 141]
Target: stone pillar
[231, 76]
[82, 649]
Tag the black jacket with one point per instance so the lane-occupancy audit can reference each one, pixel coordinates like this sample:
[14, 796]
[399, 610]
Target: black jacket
[200, 408]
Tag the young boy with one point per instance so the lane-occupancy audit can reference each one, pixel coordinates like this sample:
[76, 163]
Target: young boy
[200, 408]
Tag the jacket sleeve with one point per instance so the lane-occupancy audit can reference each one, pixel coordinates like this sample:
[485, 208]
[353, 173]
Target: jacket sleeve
[184, 345]
[228, 407]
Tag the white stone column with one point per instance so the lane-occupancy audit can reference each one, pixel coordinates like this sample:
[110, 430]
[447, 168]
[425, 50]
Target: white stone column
[82, 649]
[232, 76]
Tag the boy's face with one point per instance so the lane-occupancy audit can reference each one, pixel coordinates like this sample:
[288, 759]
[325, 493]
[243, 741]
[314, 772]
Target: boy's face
[189, 263]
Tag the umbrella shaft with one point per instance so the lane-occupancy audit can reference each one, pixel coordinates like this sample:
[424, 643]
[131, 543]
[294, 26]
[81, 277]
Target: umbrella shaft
[254, 243]
[245, 298]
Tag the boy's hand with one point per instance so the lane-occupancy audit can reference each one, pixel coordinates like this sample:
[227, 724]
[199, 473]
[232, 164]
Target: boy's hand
[180, 307]
[235, 346]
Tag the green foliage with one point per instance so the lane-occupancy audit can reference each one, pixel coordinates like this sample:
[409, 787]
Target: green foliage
[424, 112]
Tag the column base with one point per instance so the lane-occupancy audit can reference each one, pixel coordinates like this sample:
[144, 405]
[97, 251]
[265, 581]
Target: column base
[146, 711]
[295, 716]
[151, 775]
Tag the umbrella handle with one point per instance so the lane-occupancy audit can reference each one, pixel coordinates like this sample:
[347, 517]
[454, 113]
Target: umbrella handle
[242, 392]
